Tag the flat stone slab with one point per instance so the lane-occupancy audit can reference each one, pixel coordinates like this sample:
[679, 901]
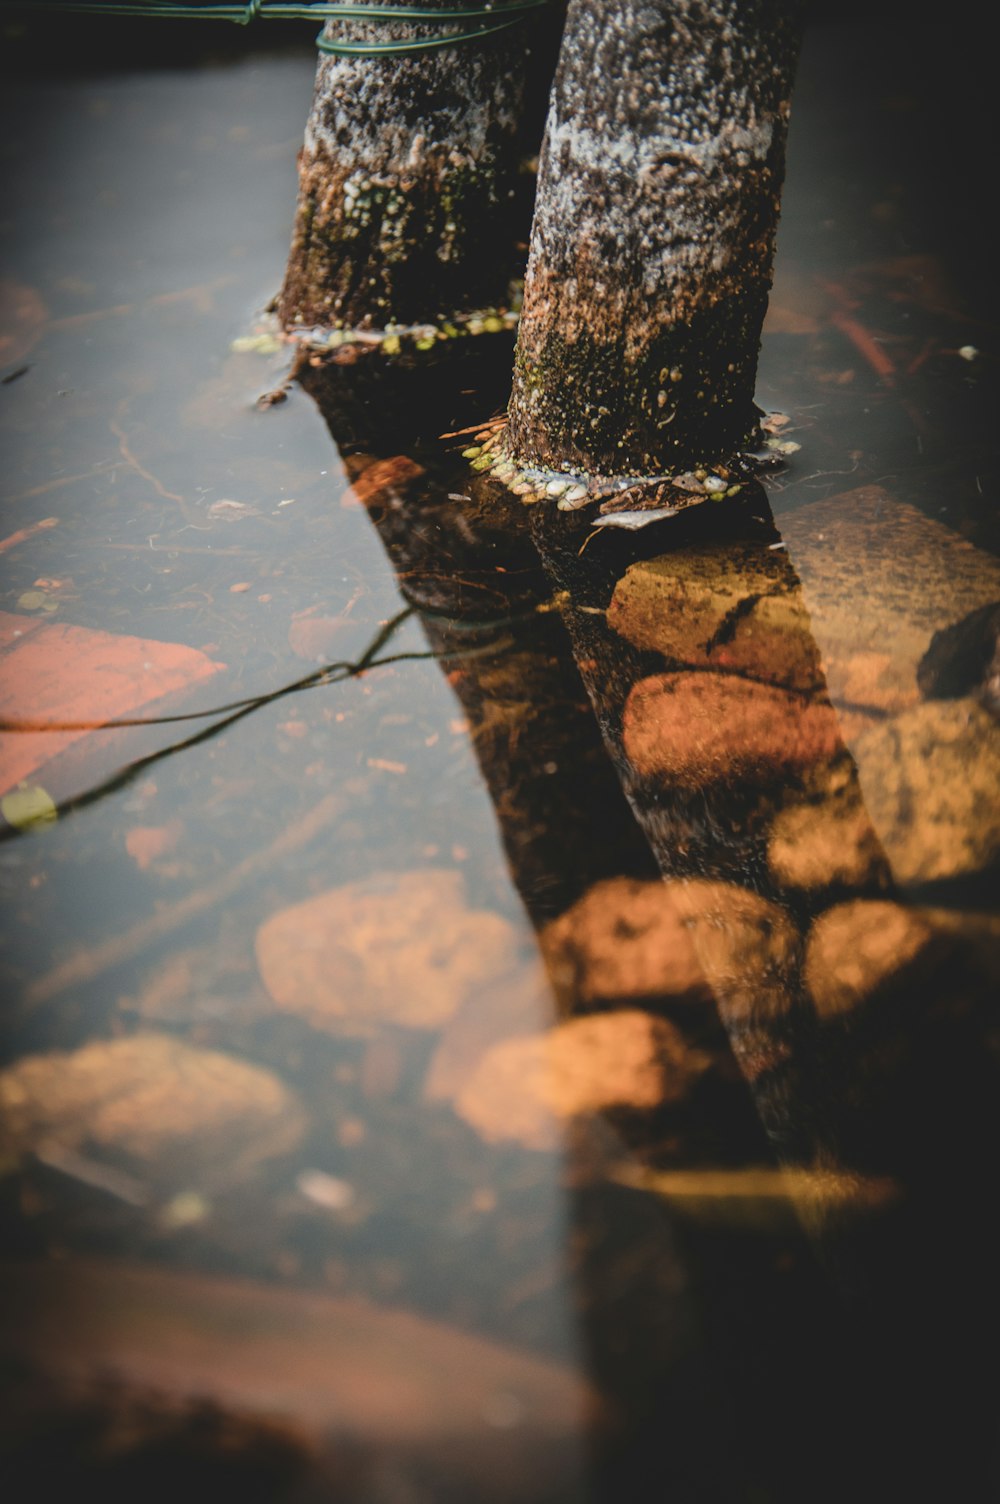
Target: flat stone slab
[77, 678]
[361, 1394]
[879, 578]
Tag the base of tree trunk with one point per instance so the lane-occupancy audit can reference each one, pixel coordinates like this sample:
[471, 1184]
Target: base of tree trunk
[629, 500]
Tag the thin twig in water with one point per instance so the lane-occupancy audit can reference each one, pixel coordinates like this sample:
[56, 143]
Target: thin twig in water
[137, 466]
[126, 775]
[329, 673]
[27, 532]
[65, 480]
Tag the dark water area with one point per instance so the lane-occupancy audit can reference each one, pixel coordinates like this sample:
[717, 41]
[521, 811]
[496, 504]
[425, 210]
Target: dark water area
[495, 1007]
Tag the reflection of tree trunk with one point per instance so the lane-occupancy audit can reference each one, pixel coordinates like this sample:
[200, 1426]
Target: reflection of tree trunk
[409, 203]
[653, 238]
[471, 570]
[708, 688]
[684, 1345]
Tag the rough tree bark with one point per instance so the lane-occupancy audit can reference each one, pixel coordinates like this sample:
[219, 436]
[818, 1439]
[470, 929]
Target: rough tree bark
[409, 207]
[653, 238]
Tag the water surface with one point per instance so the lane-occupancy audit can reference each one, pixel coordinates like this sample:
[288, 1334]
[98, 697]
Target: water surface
[548, 1053]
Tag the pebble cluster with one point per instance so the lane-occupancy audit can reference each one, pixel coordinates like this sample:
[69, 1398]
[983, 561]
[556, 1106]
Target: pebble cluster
[626, 500]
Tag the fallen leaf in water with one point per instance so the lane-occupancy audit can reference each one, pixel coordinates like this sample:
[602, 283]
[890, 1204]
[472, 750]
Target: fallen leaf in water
[37, 600]
[184, 1210]
[383, 475]
[58, 676]
[314, 638]
[635, 519]
[256, 344]
[226, 510]
[28, 806]
[327, 1191]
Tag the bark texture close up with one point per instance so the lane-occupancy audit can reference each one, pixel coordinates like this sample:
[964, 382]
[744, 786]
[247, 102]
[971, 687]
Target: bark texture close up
[408, 180]
[653, 241]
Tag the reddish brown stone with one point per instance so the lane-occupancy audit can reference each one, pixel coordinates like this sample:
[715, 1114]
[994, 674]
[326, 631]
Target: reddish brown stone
[828, 843]
[624, 940]
[736, 607]
[701, 729]
[396, 948]
[526, 1088]
[862, 948]
[361, 1395]
[749, 949]
[519, 1002]
[878, 580]
[929, 779]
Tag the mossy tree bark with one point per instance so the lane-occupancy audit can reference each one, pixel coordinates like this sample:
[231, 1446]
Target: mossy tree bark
[409, 202]
[653, 240]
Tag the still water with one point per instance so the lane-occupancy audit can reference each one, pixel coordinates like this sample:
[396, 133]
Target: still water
[495, 1008]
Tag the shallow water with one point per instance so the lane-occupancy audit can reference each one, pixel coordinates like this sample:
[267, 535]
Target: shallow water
[377, 1124]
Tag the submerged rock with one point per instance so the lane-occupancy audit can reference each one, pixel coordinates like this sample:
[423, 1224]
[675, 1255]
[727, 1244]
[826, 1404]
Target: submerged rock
[525, 1089]
[624, 940]
[676, 941]
[878, 580]
[829, 840]
[731, 607]
[517, 1003]
[749, 949]
[398, 948]
[929, 779]
[853, 605]
[150, 1378]
[865, 948]
[964, 659]
[697, 730]
[165, 1105]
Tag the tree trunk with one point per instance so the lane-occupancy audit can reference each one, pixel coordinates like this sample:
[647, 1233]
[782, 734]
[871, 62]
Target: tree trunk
[652, 246]
[410, 203]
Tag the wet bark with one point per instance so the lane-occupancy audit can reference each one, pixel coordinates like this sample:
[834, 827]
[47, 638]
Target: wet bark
[410, 201]
[653, 240]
